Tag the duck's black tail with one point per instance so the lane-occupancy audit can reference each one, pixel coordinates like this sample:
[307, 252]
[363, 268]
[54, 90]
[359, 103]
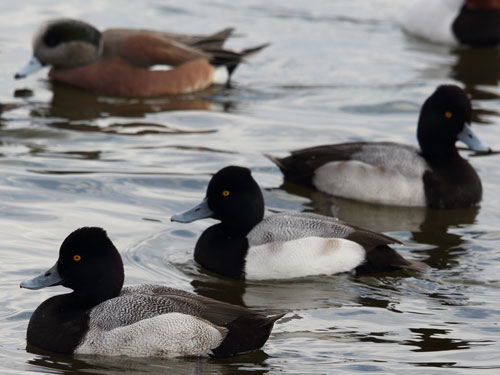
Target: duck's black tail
[231, 59]
[385, 259]
[247, 333]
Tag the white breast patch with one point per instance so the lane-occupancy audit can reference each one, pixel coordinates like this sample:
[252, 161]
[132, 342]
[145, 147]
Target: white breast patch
[376, 184]
[167, 335]
[302, 257]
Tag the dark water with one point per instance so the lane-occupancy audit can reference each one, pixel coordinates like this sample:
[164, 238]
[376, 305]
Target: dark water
[336, 71]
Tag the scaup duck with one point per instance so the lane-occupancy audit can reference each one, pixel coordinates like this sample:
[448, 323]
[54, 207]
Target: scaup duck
[117, 62]
[247, 245]
[101, 317]
[453, 22]
[396, 174]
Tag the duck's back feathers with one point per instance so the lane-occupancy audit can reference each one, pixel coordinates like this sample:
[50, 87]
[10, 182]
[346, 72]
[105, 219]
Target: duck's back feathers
[288, 226]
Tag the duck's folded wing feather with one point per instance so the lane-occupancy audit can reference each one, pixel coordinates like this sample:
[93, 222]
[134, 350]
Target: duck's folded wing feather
[289, 226]
[145, 301]
[144, 49]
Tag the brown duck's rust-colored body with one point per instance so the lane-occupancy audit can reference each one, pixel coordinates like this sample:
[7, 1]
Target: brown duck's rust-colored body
[119, 62]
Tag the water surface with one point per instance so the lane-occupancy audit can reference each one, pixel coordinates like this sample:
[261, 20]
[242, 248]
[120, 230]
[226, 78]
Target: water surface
[336, 71]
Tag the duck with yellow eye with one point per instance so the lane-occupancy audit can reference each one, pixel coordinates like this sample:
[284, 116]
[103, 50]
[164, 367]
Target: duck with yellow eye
[397, 174]
[248, 245]
[102, 317]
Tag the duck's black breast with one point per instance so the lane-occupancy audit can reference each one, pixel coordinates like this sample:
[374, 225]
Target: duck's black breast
[477, 27]
[222, 253]
[453, 184]
[58, 325]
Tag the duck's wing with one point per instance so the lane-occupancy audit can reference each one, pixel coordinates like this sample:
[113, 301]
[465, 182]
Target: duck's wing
[143, 48]
[300, 165]
[204, 42]
[289, 226]
[241, 329]
[161, 299]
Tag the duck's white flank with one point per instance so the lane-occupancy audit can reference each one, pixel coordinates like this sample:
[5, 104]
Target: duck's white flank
[360, 181]
[167, 335]
[221, 75]
[432, 20]
[302, 257]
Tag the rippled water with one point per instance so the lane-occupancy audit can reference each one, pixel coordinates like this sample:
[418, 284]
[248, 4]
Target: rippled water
[336, 71]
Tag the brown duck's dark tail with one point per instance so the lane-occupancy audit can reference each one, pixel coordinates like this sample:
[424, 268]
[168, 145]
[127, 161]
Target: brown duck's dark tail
[245, 334]
[231, 59]
[385, 259]
[214, 41]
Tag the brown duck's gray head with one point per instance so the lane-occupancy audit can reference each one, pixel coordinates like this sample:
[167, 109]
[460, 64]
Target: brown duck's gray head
[63, 44]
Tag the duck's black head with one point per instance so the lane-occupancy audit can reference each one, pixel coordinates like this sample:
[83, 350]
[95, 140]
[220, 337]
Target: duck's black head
[445, 118]
[235, 198]
[89, 264]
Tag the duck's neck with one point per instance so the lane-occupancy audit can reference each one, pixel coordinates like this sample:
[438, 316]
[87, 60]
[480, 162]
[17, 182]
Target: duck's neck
[222, 252]
[439, 153]
[96, 295]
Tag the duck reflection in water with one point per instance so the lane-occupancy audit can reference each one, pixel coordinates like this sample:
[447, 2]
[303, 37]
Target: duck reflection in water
[73, 104]
[478, 68]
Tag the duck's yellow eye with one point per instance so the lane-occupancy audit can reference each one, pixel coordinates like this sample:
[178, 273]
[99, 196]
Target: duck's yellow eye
[448, 114]
[225, 193]
[77, 258]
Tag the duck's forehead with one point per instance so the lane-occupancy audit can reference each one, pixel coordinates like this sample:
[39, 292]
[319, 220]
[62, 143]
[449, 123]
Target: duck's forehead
[65, 30]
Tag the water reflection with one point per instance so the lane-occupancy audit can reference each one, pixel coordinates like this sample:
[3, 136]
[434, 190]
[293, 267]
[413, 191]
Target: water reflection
[117, 365]
[277, 296]
[435, 340]
[91, 364]
[477, 67]
[8, 106]
[430, 229]
[73, 104]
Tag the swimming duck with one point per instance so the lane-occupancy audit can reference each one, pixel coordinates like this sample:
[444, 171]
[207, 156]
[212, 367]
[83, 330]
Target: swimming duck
[117, 62]
[101, 317]
[396, 174]
[247, 245]
[453, 22]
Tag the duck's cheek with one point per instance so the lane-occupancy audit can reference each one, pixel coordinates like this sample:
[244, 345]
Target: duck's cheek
[360, 181]
[303, 257]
